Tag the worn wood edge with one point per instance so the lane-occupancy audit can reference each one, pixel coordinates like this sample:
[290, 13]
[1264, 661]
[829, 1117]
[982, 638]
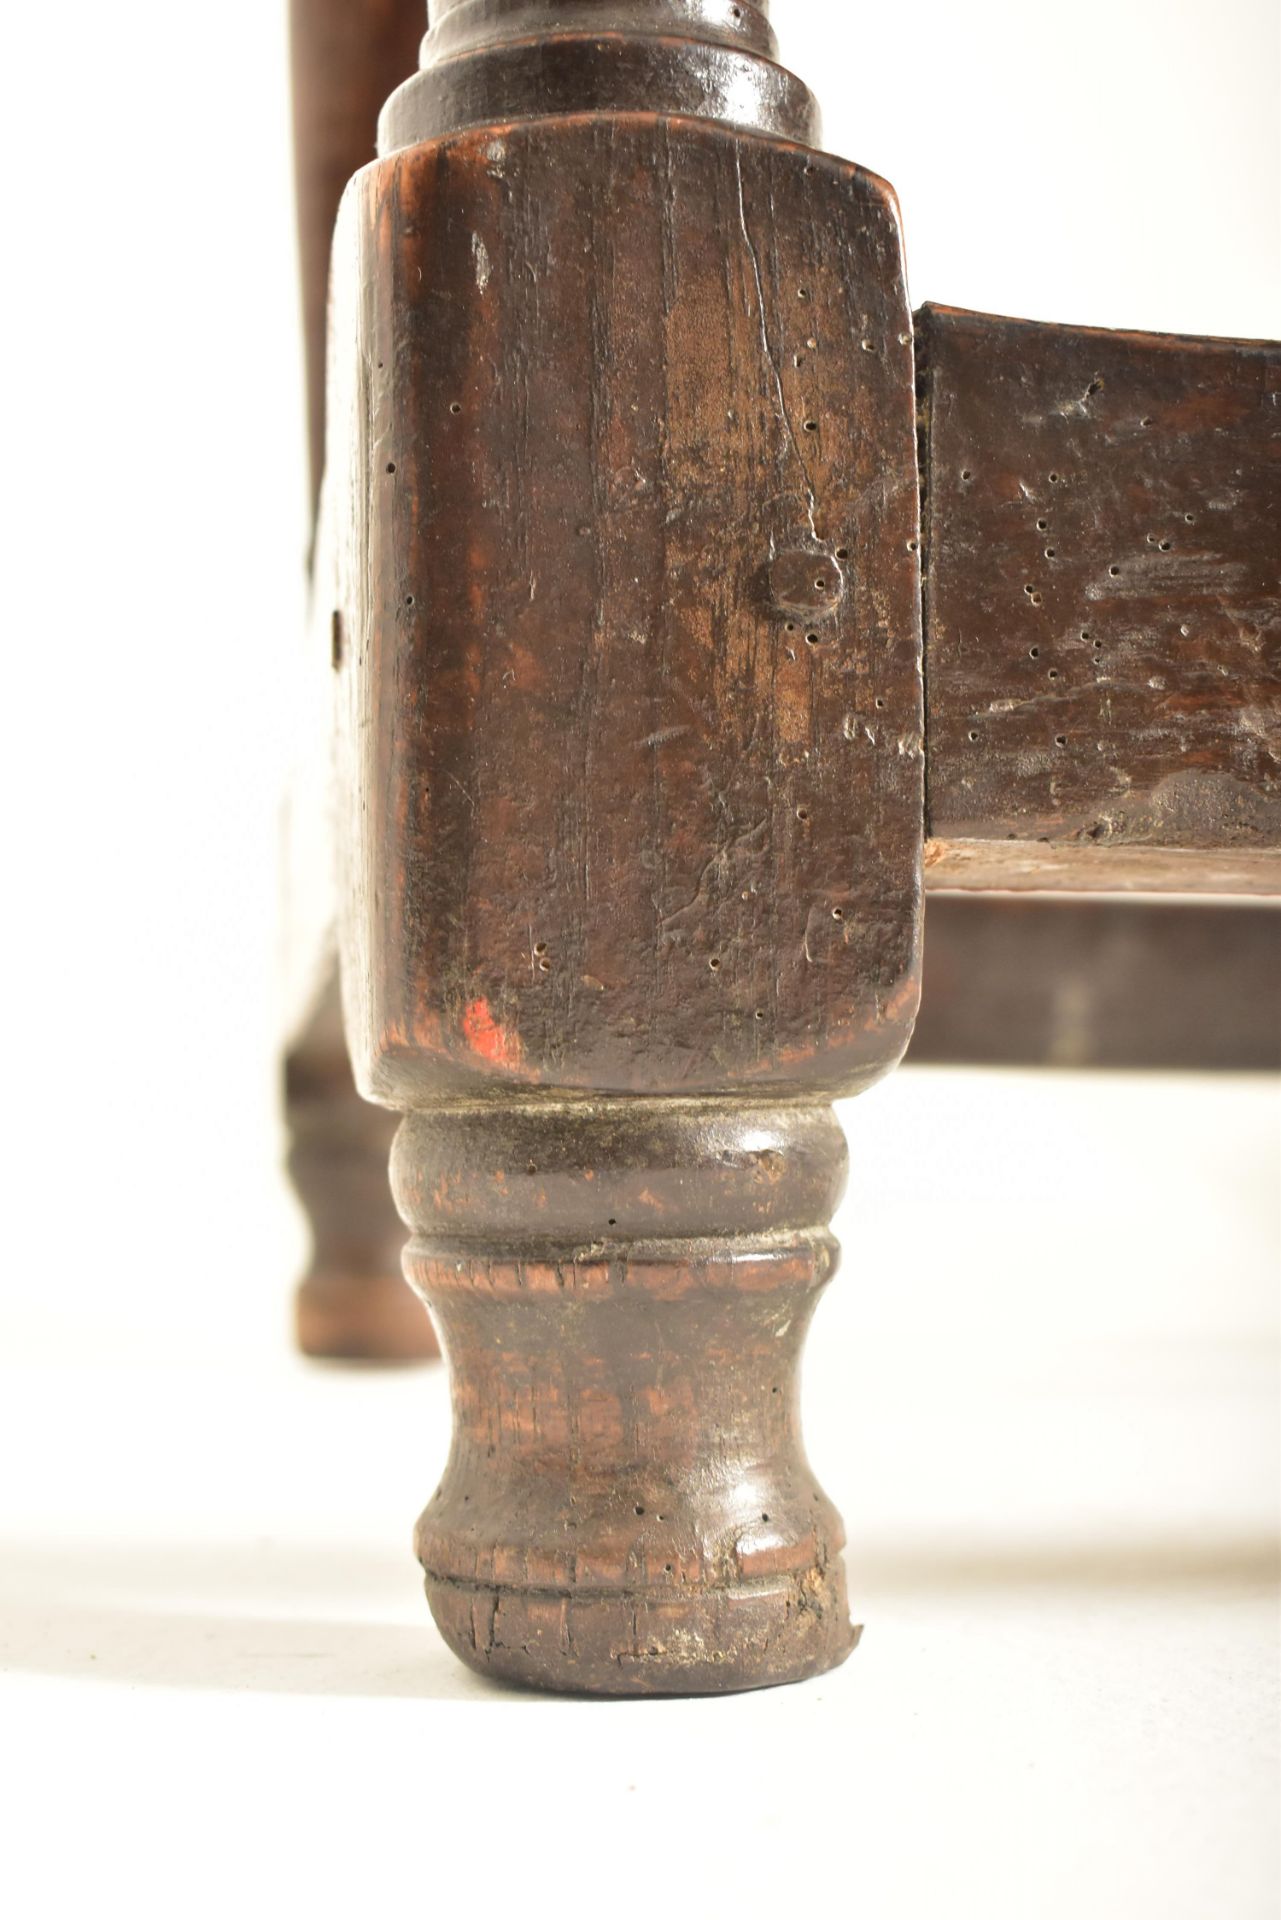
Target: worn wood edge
[932, 310]
[763, 1633]
[1020, 866]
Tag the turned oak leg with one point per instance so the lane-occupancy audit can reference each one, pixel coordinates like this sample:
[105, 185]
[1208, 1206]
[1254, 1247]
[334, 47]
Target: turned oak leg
[352, 1303]
[623, 1296]
[625, 591]
[621, 574]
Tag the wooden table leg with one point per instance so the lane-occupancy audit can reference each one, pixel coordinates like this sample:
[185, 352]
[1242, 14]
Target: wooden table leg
[625, 582]
[621, 557]
[352, 1303]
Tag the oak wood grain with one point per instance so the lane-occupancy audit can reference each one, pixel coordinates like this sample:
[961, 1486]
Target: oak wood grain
[1102, 605]
[627, 639]
[637, 716]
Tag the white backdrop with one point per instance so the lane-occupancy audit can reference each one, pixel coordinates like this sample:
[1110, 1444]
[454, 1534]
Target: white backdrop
[1056, 1330]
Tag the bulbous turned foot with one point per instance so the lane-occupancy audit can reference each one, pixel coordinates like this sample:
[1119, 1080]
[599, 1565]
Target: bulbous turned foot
[724, 1638]
[623, 1289]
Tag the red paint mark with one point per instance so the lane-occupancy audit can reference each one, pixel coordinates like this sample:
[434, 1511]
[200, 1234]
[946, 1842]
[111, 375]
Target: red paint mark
[485, 1037]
